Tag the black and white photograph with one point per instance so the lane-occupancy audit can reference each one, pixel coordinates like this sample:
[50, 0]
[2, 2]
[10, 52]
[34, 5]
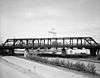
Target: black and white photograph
[49, 38]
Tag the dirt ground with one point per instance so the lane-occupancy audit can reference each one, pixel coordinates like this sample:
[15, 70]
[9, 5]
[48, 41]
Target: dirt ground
[13, 67]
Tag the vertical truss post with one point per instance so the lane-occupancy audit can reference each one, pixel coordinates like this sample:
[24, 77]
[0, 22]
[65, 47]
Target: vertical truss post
[26, 42]
[84, 43]
[44, 41]
[77, 41]
[50, 42]
[70, 41]
[33, 42]
[38, 41]
[57, 43]
[14, 42]
[21, 41]
[81, 41]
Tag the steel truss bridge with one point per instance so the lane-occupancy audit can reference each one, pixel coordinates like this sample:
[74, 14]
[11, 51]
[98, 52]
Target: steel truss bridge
[42, 43]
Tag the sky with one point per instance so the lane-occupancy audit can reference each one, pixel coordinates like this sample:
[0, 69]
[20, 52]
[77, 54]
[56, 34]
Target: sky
[34, 18]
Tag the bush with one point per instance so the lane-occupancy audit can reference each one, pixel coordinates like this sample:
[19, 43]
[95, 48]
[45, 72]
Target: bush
[70, 65]
[91, 68]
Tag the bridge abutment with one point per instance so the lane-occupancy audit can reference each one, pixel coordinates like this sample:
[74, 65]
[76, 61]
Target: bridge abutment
[93, 52]
[63, 52]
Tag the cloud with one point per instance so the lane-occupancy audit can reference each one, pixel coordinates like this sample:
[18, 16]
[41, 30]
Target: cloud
[19, 16]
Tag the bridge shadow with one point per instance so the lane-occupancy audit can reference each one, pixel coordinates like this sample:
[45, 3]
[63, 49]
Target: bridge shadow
[65, 56]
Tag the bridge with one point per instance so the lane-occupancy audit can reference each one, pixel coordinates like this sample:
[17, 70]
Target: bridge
[42, 43]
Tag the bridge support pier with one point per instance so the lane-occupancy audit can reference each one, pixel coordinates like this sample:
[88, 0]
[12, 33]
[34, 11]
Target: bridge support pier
[93, 52]
[2, 52]
[98, 54]
[11, 52]
[26, 53]
[63, 52]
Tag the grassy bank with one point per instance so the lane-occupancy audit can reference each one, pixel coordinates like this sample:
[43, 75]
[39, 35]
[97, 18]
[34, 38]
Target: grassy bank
[90, 68]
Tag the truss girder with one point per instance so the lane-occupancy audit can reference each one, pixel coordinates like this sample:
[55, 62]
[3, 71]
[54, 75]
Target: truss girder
[78, 42]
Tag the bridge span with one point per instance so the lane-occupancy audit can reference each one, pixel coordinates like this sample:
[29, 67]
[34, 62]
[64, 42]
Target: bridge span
[42, 43]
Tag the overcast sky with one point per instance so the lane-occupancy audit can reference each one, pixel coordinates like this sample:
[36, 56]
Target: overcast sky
[34, 18]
